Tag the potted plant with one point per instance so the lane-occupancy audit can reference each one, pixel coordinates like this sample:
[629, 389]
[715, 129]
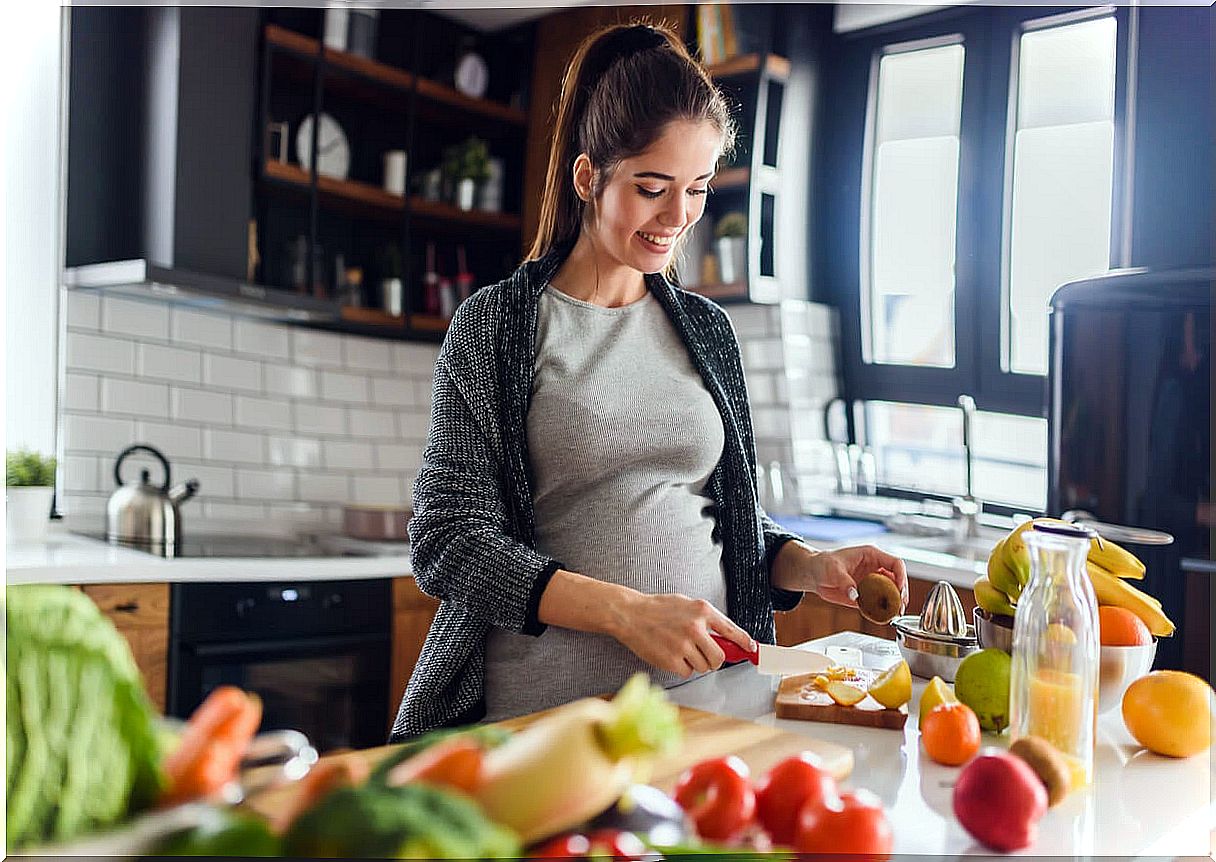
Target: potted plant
[731, 235]
[468, 164]
[30, 486]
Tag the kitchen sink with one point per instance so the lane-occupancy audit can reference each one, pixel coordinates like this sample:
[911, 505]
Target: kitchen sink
[970, 549]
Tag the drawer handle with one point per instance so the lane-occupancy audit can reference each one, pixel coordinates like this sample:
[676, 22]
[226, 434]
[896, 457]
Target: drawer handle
[127, 607]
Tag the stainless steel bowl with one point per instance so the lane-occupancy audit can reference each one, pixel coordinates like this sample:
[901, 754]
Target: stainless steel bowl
[928, 654]
[1119, 667]
[993, 631]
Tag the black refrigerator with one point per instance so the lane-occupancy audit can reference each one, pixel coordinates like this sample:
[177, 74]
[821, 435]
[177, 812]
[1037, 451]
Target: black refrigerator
[1130, 432]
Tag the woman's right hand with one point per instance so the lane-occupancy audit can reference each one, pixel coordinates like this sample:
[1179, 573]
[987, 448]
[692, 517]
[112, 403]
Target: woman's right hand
[672, 632]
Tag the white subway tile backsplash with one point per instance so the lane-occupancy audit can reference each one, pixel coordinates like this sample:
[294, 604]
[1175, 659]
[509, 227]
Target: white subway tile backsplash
[134, 397]
[316, 348]
[83, 511]
[83, 309]
[415, 360]
[100, 353]
[348, 456]
[288, 451]
[261, 339]
[265, 484]
[213, 481]
[752, 321]
[379, 424]
[228, 372]
[205, 330]
[174, 441]
[760, 388]
[821, 320]
[82, 392]
[136, 318]
[153, 361]
[83, 433]
[765, 354]
[399, 391]
[236, 446]
[337, 386]
[81, 472]
[325, 487]
[413, 426]
[771, 423]
[262, 413]
[398, 456]
[289, 381]
[308, 515]
[424, 391]
[367, 354]
[249, 514]
[320, 419]
[379, 490]
[199, 405]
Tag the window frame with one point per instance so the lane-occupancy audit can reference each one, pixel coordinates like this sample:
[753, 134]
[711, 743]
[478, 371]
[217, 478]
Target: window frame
[990, 38]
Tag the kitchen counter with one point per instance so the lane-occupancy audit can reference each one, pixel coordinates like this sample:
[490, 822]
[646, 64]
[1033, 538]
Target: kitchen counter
[1140, 804]
[68, 558]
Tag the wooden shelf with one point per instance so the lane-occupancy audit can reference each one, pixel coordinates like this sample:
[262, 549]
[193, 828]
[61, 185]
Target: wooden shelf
[444, 213]
[745, 64]
[398, 79]
[429, 322]
[372, 317]
[732, 178]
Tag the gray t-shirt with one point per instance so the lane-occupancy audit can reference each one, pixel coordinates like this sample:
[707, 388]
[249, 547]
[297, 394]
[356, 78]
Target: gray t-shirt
[623, 437]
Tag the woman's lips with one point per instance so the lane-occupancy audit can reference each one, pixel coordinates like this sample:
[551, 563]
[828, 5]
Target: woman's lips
[653, 247]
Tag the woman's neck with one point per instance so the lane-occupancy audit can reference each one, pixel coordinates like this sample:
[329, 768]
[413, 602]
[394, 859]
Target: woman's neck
[591, 275]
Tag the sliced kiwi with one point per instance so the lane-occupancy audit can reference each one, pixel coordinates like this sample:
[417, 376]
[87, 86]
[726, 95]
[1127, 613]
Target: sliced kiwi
[878, 598]
[1047, 763]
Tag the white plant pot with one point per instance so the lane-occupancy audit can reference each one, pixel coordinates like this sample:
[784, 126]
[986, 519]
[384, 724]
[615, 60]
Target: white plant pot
[732, 259]
[29, 512]
[466, 191]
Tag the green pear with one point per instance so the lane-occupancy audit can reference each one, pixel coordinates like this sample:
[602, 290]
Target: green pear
[982, 682]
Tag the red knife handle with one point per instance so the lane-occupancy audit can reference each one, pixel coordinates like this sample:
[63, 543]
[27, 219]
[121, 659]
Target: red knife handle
[734, 652]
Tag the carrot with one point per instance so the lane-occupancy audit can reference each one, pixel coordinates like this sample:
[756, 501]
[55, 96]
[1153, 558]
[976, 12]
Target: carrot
[326, 776]
[211, 749]
[455, 762]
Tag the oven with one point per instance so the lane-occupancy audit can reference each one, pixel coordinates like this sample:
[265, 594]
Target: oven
[316, 652]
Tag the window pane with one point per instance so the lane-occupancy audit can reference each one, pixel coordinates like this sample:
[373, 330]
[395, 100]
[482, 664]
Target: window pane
[1063, 160]
[913, 207]
[921, 448]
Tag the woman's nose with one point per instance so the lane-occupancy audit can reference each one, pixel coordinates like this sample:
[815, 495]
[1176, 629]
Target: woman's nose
[674, 215]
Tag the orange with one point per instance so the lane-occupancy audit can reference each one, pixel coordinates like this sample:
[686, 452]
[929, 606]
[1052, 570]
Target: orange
[951, 733]
[1169, 712]
[1120, 627]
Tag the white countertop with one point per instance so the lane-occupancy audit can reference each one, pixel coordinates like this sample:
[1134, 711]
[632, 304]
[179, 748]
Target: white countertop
[68, 558]
[1141, 804]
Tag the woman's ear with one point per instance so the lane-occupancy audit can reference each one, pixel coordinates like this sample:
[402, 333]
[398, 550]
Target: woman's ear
[583, 175]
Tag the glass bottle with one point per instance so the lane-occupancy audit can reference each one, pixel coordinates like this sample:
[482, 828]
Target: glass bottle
[1054, 684]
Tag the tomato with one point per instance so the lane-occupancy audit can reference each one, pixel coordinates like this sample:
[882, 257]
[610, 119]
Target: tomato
[570, 846]
[786, 788]
[855, 823]
[612, 844]
[718, 797]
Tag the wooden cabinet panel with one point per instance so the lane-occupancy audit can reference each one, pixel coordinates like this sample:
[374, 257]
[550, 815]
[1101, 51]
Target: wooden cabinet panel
[413, 612]
[141, 613]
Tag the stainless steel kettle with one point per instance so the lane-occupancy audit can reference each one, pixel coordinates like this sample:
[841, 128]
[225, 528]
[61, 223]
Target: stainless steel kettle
[143, 515]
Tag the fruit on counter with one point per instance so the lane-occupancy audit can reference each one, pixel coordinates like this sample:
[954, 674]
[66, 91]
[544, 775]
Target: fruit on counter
[937, 691]
[950, 733]
[412, 821]
[879, 598]
[208, 754]
[999, 800]
[1001, 576]
[894, 687]
[1170, 712]
[852, 823]
[982, 682]
[718, 796]
[457, 762]
[1120, 627]
[991, 599]
[576, 761]
[486, 735]
[1114, 591]
[843, 693]
[649, 813]
[604, 844]
[1048, 763]
[783, 791]
[74, 698]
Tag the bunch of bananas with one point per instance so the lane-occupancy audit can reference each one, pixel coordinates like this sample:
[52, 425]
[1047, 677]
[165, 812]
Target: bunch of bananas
[1109, 567]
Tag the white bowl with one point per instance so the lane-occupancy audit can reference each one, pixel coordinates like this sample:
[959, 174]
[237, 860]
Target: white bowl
[1119, 667]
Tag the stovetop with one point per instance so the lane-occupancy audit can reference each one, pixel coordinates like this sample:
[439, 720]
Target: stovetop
[237, 546]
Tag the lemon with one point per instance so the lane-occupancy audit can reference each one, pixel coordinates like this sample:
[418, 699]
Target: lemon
[936, 692]
[894, 688]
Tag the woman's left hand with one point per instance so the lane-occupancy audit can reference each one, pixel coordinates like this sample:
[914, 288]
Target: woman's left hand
[833, 575]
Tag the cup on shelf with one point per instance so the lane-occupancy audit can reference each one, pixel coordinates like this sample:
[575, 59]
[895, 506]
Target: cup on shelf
[394, 172]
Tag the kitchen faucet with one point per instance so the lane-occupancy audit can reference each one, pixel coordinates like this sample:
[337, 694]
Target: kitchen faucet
[967, 508]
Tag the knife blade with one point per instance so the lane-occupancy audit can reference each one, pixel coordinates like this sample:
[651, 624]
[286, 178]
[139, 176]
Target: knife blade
[775, 660]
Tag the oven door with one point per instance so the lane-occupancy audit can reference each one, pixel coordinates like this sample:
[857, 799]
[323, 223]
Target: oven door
[333, 688]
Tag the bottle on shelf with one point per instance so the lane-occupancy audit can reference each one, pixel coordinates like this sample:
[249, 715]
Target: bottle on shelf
[464, 278]
[430, 282]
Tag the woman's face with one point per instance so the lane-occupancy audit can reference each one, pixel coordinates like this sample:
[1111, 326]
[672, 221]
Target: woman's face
[655, 196]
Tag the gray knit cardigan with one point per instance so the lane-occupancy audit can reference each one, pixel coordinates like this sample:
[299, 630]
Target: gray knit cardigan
[472, 531]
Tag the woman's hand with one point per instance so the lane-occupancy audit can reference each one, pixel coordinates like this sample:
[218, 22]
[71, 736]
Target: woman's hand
[672, 632]
[833, 575]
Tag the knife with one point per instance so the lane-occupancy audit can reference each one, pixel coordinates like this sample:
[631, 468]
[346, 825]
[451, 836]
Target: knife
[775, 660]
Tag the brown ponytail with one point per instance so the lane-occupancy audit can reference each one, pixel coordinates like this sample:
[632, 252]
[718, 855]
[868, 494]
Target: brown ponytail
[624, 84]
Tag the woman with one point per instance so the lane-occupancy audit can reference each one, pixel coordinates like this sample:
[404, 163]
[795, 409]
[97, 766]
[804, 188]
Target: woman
[587, 503]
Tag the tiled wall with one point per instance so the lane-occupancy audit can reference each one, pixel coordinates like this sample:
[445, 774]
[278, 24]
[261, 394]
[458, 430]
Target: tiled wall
[282, 425]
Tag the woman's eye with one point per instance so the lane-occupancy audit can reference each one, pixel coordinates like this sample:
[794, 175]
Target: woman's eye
[649, 193]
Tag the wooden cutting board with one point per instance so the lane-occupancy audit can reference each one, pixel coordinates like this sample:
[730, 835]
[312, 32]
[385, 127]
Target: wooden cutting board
[798, 699]
[706, 735]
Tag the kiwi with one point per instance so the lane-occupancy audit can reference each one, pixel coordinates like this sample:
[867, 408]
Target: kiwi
[878, 598]
[1047, 763]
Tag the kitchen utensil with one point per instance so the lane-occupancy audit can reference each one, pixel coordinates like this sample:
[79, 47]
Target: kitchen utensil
[994, 632]
[1119, 667]
[142, 514]
[376, 523]
[936, 641]
[775, 660]
[798, 699]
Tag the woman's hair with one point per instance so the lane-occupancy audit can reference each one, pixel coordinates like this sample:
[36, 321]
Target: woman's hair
[624, 84]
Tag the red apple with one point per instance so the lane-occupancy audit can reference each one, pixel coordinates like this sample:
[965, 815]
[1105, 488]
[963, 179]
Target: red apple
[999, 800]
